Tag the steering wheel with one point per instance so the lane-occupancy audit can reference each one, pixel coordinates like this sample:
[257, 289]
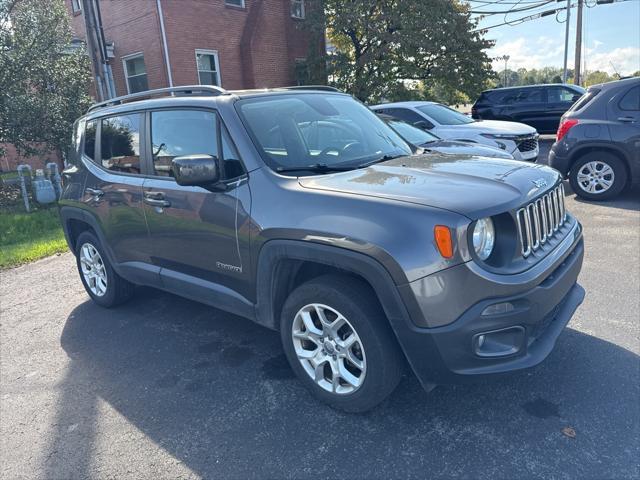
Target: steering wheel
[339, 149]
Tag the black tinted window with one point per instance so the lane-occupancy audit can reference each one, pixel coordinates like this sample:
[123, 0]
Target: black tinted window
[90, 139]
[175, 133]
[561, 94]
[405, 114]
[120, 143]
[631, 100]
[531, 95]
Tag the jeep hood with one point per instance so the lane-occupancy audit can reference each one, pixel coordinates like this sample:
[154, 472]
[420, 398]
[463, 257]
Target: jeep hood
[470, 185]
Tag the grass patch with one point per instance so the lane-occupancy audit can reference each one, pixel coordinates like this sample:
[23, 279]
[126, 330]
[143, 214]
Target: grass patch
[25, 237]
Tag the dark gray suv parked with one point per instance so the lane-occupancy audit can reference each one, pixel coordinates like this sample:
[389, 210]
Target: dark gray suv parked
[301, 210]
[598, 141]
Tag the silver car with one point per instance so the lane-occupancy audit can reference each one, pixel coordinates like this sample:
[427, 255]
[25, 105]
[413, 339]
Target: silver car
[518, 139]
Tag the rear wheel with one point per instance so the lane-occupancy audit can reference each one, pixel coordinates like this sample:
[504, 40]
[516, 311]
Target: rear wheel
[598, 176]
[339, 343]
[102, 283]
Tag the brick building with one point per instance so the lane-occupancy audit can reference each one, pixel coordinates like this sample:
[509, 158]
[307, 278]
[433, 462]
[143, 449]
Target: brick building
[231, 43]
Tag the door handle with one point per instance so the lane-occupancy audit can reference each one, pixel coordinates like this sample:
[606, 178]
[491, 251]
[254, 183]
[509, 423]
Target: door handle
[626, 119]
[94, 192]
[156, 199]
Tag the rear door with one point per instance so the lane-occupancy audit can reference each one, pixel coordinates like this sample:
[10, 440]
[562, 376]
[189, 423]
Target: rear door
[199, 236]
[529, 107]
[112, 152]
[624, 126]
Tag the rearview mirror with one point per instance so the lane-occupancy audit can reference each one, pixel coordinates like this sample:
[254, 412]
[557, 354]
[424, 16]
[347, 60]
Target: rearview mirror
[197, 169]
[423, 124]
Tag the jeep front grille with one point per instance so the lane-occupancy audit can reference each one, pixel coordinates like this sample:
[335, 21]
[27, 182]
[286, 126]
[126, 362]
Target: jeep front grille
[539, 221]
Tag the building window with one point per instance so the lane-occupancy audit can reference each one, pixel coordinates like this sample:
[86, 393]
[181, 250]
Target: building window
[208, 67]
[297, 9]
[235, 3]
[76, 6]
[135, 73]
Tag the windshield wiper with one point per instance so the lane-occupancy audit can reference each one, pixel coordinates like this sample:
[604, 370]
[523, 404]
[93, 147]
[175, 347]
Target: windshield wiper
[383, 158]
[316, 168]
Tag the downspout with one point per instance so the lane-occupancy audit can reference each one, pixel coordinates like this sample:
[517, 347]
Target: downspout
[164, 43]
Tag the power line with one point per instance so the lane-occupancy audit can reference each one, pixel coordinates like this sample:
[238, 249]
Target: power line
[545, 13]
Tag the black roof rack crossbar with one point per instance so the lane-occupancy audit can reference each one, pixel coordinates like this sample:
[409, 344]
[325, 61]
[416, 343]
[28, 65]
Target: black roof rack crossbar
[323, 88]
[208, 90]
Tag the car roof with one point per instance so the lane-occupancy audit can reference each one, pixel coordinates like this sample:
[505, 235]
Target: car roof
[539, 85]
[195, 100]
[617, 83]
[415, 103]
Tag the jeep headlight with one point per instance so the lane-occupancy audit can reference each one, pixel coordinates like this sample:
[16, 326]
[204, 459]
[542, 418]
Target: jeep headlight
[484, 238]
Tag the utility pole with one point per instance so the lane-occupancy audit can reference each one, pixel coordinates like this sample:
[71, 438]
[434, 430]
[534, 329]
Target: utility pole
[577, 74]
[566, 42]
[506, 59]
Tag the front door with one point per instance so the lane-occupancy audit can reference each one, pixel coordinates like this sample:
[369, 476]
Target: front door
[199, 236]
[559, 100]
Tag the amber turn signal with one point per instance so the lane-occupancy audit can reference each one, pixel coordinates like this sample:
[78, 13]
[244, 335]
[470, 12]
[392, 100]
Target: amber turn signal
[443, 239]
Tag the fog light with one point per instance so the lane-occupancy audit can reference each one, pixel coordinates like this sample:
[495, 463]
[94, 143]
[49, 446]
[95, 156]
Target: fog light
[499, 343]
[498, 309]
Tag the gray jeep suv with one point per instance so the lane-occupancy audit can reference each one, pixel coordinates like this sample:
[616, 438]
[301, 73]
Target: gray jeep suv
[301, 210]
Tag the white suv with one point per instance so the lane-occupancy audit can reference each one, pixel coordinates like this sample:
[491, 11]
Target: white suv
[518, 139]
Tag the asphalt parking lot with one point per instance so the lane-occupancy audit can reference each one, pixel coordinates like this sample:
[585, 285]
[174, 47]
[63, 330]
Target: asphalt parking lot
[166, 388]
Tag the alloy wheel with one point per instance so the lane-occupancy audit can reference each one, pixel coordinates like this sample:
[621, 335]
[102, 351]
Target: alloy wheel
[93, 270]
[329, 349]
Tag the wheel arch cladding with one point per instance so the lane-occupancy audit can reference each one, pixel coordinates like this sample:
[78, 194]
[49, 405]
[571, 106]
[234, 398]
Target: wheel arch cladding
[285, 264]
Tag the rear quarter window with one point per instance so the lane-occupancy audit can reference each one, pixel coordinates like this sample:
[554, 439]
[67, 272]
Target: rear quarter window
[631, 100]
[584, 100]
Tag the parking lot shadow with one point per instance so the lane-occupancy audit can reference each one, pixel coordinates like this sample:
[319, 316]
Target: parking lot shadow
[215, 392]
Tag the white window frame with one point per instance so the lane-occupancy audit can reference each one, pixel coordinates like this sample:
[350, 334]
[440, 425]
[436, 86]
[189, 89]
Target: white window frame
[304, 13]
[126, 72]
[76, 6]
[202, 51]
[226, 2]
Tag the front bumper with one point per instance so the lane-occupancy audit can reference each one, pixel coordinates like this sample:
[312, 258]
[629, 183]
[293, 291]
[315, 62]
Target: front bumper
[541, 310]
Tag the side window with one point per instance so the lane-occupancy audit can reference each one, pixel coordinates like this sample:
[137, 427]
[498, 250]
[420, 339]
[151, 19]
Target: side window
[175, 133]
[120, 143]
[531, 95]
[560, 95]
[631, 100]
[407, 115]
[90, 139]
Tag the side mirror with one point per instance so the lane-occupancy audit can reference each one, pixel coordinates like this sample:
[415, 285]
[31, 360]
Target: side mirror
[199, 169]
[423, 124]
[575, 98]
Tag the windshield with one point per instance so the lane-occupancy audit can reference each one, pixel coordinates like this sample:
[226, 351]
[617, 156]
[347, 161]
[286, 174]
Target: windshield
[412, 134]
[445, 115]
[305, 130]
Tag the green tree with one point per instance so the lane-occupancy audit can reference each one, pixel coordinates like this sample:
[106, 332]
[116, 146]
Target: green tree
[44, 83]
[385, 48]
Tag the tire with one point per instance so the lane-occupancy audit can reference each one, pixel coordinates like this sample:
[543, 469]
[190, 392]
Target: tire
[374, 346]
[598, 176]
[114, 289]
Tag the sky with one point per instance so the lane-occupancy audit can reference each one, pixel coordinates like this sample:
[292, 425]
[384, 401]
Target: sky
[611, 37]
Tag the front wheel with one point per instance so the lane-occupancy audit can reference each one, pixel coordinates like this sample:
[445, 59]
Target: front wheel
[598, 176]
[339, 343]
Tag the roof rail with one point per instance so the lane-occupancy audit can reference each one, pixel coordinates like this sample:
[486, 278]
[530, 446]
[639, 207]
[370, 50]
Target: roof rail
[322, 88]
[208, 90]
